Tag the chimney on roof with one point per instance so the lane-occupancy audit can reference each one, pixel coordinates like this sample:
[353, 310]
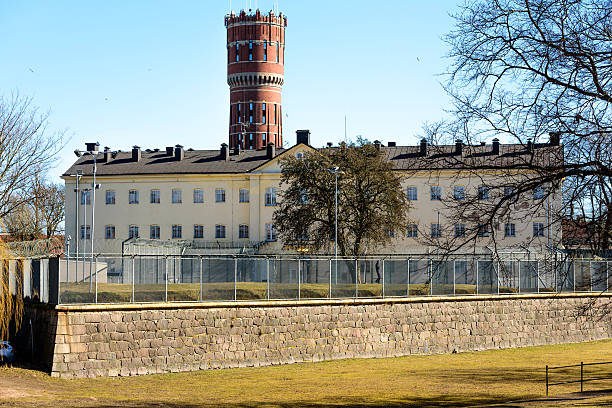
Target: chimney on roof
[237, 149]
[169, 151]
[377, 144]
[107, 154]
[302, 136]
[555, 138]
[136, 155]
[423, 147]
[391, 144]
[496, 146]
[329, 144]
[529, 145]
[179, 152]
[459, 147]
[224, 152]
[270, 151]
[92, 146]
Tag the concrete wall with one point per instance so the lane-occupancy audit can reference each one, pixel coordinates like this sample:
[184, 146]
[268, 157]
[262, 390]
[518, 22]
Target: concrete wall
[111, 340]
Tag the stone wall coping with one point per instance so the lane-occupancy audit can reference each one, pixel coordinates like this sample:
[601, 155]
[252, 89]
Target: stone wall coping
[317, 302]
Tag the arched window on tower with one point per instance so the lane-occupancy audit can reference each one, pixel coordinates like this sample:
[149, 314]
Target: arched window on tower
[251, 112]
[239, 115]
[265, 50]
[275, 114]
[277, 52]
[250, 50]
[263, 114]
[237, 52]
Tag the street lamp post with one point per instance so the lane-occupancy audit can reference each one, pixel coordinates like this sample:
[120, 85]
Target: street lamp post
[336, 171]
[78, 175]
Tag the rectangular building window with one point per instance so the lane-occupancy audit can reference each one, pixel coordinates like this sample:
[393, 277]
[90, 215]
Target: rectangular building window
[85, 197]
[509, 229]
[436, 230]
[133, 231]
[177, 196]
[239, 115]
[270, 197]
[155, 196]
[219, 231]
[436, 193]
[110, 197]
[198, 231]
[483, 192]
[538, 229]
[265, 50]
[250, 141]
[411, 193]
[243, 231]
[263, 113]
[270, 232]
[237, 52]
[263, 138]
[250, 50]
[483, 230]
[251, 112]
[220, 195]
[198, 196]
[243, 195]
[412, 231]
[459, 230]
[177, 231]
[109, 232]
[538, 193]
[133, 197]
[459, 193]
[275, 114]
[85, 232]
[277, 52]
[154, 232]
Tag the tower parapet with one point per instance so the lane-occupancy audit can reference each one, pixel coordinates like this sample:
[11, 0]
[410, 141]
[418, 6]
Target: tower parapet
[255, 75]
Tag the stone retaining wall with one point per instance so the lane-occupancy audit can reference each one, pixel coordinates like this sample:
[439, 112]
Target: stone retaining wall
[112, 340]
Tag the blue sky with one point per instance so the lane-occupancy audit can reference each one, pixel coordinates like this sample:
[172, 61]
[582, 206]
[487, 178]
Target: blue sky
[153, 73]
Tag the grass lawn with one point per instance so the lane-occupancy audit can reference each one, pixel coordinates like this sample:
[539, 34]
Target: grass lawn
[451, 380]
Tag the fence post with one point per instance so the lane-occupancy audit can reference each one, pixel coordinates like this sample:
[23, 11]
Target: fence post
[498, 276]
[133, 299]
[356, 277]
[299, 278]
[235, 277]
[166, 281]
[547, 380]
[430, 271]
[454, 277]
[330, 278]
[201, 264]
[96, 275]
[408, 277]
[538, 274]
[477, 266]
[383, 278]
[581, 374]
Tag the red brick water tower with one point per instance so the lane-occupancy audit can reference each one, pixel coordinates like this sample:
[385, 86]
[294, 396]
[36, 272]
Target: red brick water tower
[255, 74]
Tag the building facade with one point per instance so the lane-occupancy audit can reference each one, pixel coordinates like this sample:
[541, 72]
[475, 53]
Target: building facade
[255, 75]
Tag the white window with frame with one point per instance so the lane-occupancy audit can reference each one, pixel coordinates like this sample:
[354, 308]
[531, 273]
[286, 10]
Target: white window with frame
[538, 229]
[110, 197]
[198, 231]
[243, 195]
[436, 230]
[483, 230]
[270, 232]
[243, 231]
[109, 232]
[220, 195]
[483, 192]
[459, 230]
[459, 193]
[270, 196]
[198, 196]
[85, 197]
[177, 196]
[85, 232]
[219, 231]
[154, 232]
[133, 231]
[538, 193]
[436, 193]
[133, 197]
[177, 231]
[412, 231]
[155, 196]
[509, 229]
[411, 193]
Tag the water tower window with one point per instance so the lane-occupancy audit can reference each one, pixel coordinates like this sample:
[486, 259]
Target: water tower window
[250, 50]
[237, 52]
[276, 52]
[251, 112]
[265, 51]
[239, 119]
[263, 114]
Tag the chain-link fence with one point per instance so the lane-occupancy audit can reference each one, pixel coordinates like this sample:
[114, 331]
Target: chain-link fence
[169, 278]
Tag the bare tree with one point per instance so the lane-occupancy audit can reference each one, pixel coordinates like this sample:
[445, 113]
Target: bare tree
[27, 150]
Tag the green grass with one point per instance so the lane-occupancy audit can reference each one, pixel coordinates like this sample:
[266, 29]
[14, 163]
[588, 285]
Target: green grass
[456, 380]
[121, 293]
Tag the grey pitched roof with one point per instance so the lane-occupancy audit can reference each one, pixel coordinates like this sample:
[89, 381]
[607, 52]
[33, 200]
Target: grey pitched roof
[194, 162]
[401, 157]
